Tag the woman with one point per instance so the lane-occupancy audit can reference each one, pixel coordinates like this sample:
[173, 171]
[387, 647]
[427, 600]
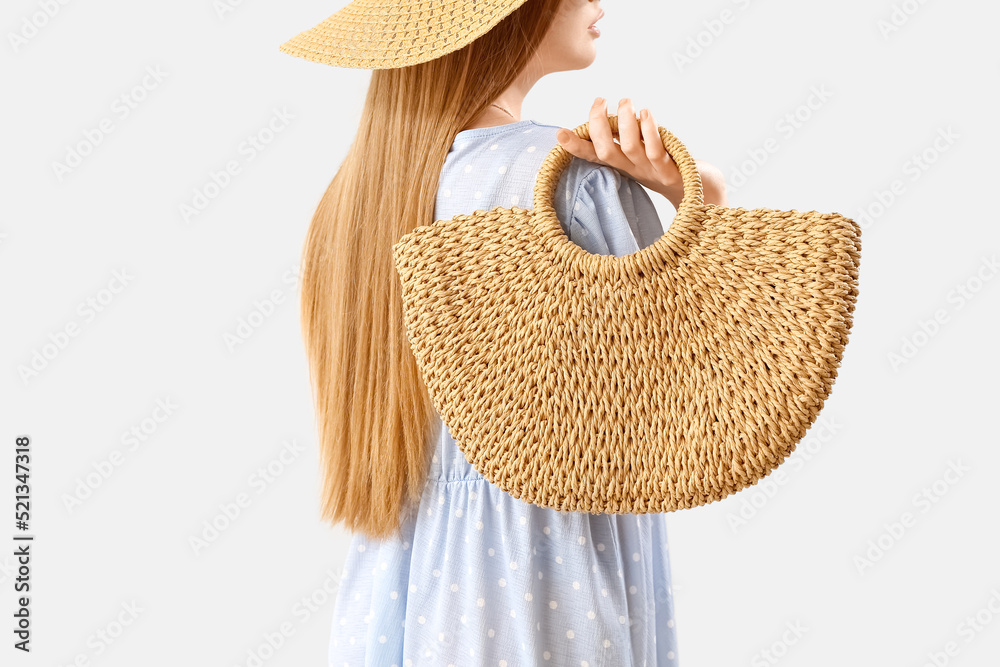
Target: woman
[444, 568]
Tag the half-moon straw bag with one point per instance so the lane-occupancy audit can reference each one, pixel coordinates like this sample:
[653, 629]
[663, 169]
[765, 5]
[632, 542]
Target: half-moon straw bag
[661, 380]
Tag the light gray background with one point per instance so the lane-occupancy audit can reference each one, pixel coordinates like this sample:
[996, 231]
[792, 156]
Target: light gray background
[887, 432]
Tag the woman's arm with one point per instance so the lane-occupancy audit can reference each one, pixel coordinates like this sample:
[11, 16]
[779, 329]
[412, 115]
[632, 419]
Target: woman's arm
[713, 185]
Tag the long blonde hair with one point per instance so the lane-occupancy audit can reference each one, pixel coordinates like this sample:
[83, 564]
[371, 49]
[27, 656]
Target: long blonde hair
[375, 420]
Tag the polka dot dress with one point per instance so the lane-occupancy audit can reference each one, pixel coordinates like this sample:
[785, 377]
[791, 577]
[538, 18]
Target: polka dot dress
[478, 577]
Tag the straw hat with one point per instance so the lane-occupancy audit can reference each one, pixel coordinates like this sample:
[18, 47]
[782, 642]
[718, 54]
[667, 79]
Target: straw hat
[384, 34]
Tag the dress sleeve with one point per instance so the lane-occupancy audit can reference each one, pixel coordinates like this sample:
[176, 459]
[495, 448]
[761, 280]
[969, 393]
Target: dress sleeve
[604, 211]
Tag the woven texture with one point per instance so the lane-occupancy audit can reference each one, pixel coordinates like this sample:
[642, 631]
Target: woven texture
[665, 379]
[382, 34]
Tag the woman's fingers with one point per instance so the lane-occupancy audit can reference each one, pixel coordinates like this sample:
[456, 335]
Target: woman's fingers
[655, 152]
[640, 153]
[628, 133]
[608, 152]
[576, 146]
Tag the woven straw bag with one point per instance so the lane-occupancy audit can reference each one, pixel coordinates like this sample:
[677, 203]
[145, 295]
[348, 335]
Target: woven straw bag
[661, 380]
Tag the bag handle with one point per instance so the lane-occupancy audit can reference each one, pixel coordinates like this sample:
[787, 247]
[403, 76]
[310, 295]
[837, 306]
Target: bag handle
[664, 252]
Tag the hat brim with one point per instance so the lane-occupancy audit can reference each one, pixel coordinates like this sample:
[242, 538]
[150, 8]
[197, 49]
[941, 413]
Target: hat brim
[385, 34]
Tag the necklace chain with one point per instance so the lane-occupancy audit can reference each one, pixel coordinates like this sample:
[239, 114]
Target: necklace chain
[504, 110]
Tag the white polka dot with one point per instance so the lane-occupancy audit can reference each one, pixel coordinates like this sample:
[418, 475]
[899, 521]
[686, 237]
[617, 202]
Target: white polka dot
[503, 663]
[491, 632]
[531, 149]
[491, 552]
[440, 636]
[581, 540]
[394, 594]
[468, 168]
[635, 557]
[546, 655]
[553, 604]
[382, 639]
[670, 655]
[607, 643]
[413, 588]
[406, 545]
[447, 193]
[441, 499]
[503, 169]
[494, 147]
[479, 195]
[421, 620]
[513, 565]
[576, 206]
[591, 614]
[559, 559]
[514, 200]
[502, 582]
[361, 547]
[463, 619]
[436, 573]
[512, 614]
[479, 525]
[454, 587]
[524, 520]
[632, 589]
[621, 619]
[576, 585]
[473, 495]
[458, 512]
[480, 602]
[569, 634]
[670, 623]
[546, 530]
[600, 546]
[527, 596]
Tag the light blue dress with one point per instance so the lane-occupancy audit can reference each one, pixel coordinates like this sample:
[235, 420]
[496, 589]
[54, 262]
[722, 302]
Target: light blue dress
[479, 577]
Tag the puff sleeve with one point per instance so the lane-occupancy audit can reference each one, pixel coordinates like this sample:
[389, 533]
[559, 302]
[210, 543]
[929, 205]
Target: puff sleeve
[604, 211]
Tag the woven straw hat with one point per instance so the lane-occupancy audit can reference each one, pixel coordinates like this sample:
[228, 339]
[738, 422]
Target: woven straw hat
[385, 34]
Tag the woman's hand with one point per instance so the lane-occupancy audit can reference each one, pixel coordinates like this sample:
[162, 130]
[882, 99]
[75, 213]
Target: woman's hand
[641, 155]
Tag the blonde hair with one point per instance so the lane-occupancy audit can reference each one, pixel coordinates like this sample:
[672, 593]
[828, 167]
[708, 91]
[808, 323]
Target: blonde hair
[376, 423]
